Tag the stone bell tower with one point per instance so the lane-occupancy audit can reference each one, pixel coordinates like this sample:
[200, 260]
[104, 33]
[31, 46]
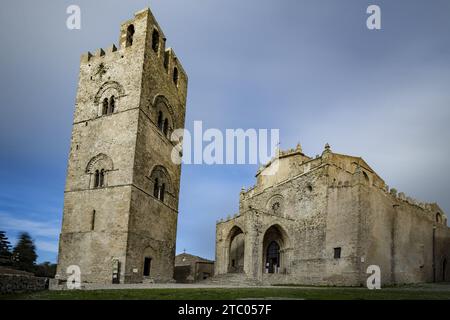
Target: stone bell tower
[121, 194]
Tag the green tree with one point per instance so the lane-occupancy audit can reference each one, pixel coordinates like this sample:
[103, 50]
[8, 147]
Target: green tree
[5, 250]
[24, 253]
[45, 270]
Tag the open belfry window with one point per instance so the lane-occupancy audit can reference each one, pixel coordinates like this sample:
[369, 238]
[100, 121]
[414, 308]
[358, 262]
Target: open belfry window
[155, 40]
[130, 35]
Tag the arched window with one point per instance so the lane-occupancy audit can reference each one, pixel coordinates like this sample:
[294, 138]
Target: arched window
[161, 182]
[130, 35]
[112, 105]
[162, 192]
[175, 76]
[160, 120]
[102, 179]
[98, 167]
[163, 115]
[438, 217]
[155, 40]
[166, 127]
[105, 106]
[156, 188]
[97, 179]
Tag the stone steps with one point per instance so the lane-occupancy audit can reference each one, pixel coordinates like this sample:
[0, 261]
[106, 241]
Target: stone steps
[231, 279]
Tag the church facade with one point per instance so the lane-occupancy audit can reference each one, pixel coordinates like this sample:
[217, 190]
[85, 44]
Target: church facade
[324, 221]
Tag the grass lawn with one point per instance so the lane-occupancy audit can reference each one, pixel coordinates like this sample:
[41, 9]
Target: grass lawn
[232, 294]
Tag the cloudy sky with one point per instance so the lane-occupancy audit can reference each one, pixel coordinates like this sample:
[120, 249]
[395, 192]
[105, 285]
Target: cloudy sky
[310, 68]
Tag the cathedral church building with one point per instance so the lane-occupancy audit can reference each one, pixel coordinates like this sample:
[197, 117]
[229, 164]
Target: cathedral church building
[324, 221]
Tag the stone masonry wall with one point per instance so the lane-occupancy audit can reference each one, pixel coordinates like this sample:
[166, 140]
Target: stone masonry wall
[21, 283]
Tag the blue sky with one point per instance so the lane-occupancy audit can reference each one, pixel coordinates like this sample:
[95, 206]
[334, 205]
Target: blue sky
[310, 68]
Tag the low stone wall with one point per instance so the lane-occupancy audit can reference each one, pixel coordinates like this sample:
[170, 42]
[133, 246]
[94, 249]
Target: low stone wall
[16, 283]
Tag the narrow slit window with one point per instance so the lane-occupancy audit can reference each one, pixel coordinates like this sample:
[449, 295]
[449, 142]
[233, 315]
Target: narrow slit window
[175, 76]
[93, 220]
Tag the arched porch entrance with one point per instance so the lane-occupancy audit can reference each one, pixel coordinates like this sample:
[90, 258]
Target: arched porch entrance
[236, 250]
[274, 254]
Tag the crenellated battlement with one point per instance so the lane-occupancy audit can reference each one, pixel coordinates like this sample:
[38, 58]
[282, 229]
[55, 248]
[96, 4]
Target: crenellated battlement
[228, 218]
[143, 35]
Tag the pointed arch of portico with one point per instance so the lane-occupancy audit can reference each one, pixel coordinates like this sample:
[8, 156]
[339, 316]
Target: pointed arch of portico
[235, 249]
[276, 244]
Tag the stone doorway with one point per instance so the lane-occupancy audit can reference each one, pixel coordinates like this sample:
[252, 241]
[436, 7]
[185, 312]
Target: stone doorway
[147, 266]
[273, 257]
[275, 244]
